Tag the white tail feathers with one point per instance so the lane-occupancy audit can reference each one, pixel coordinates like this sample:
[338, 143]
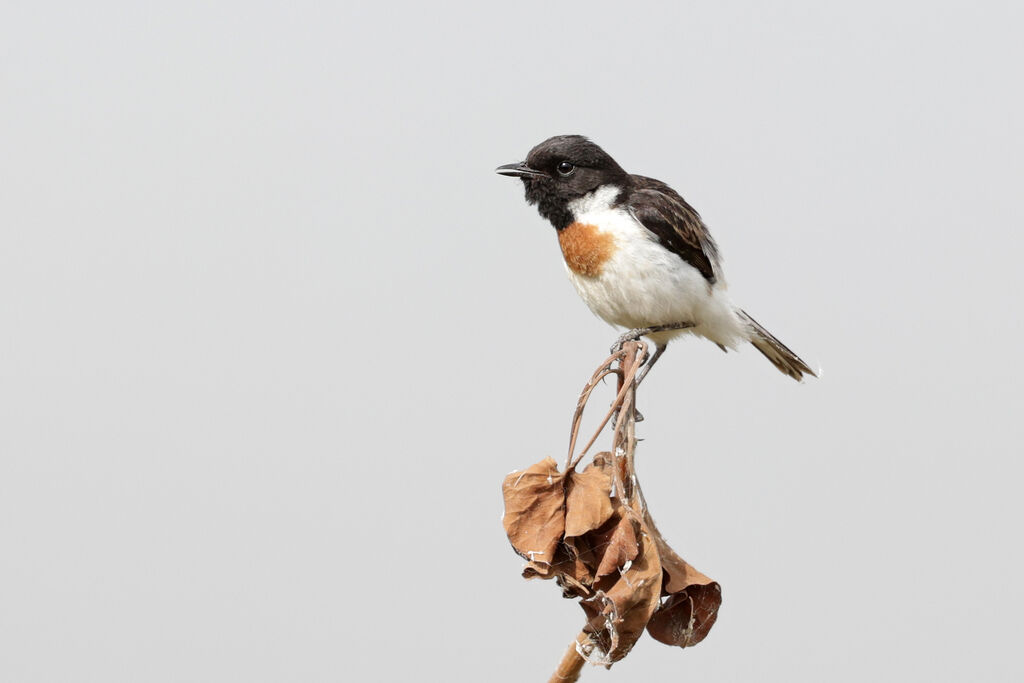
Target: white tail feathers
[778, 353]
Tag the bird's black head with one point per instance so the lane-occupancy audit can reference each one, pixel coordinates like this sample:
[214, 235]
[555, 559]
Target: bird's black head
[561, 169]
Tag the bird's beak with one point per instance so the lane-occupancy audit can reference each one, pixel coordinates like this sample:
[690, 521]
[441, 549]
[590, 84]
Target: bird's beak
[519, 170]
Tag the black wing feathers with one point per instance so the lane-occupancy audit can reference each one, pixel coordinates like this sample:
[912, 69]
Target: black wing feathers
[676, 224]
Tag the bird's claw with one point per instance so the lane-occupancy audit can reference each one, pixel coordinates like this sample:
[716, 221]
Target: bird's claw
[631, 335]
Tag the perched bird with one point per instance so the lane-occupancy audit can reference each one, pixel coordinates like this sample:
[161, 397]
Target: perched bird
[638, 254]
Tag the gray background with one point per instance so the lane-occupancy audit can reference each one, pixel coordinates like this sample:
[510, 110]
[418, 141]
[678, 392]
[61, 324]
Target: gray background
[273, 332]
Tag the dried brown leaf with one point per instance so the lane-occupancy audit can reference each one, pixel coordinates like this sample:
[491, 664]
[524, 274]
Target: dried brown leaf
[686, 617]
[680, 574]
[617, 545]
[588, 503]
[535, 510]
[538, 570]
[617, 617]
[578, 567]
[568, 569]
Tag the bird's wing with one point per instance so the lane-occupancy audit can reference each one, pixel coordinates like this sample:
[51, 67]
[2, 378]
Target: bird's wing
[677, 225]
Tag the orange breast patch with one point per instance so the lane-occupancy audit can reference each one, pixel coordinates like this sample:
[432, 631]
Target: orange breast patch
[585, 248]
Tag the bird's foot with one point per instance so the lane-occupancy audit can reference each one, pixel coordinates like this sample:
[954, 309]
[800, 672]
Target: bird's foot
[632, 335]
[636, 333]
[646, 362]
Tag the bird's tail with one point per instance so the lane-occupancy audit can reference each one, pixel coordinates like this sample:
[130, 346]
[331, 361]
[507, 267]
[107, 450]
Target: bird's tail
[778, 353]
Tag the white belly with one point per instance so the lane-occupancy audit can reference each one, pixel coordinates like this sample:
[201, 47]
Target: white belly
[643, 284]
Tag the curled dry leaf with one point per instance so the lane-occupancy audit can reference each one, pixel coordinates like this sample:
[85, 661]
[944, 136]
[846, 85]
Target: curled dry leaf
[614, 560]
[619, 544]
[617, 616]
[691, 608]
[685, 618]
[588, 503]
[535, 510]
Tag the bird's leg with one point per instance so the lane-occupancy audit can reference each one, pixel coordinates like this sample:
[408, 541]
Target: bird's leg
[633, 335]
[643, 373]
[650, 364]
[638, 332]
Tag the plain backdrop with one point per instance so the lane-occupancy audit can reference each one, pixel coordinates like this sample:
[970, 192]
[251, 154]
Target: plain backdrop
[272, 332]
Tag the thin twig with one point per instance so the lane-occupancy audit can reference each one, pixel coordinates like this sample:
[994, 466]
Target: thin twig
[572, 663]
[630, 358]
[577, 418]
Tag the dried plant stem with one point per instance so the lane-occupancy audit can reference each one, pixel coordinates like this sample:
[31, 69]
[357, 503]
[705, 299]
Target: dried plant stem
[615, 561]
[629, 358]
[569, 668]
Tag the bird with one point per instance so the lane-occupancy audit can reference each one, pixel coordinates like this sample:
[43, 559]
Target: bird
[637, 253]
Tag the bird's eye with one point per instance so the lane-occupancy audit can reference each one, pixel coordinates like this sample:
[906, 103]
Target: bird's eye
[565, 168]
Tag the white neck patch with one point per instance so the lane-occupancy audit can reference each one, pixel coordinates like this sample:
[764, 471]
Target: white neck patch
[600, 199]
